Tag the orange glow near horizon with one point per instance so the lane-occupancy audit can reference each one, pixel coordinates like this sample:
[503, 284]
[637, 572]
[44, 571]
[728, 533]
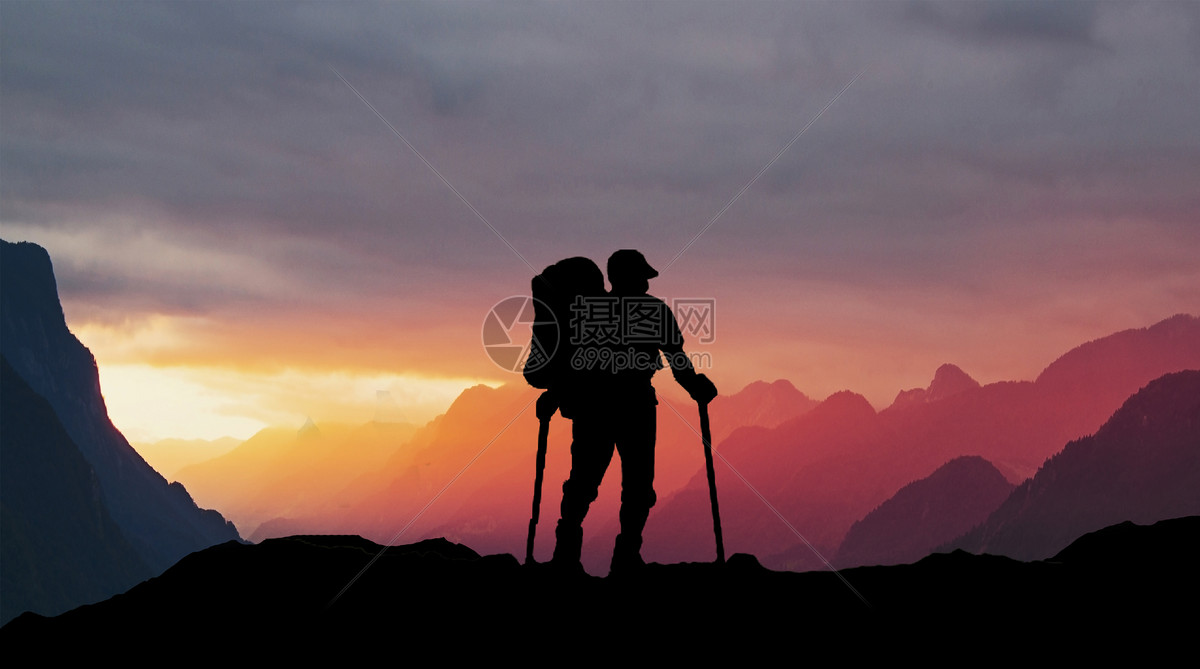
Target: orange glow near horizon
[166, 378]
[194, 377]
[150, 403]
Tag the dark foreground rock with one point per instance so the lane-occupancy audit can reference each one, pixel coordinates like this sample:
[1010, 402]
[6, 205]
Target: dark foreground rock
[318, 594]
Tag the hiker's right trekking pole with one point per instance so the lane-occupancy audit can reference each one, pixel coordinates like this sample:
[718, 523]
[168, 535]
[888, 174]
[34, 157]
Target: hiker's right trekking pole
[706, 435]
[543, 437]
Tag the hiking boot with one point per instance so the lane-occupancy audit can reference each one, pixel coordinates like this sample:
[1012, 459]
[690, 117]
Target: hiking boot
[568, 546]
[627, 556]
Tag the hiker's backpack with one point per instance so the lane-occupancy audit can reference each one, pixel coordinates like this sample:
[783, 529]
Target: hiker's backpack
[555, 290]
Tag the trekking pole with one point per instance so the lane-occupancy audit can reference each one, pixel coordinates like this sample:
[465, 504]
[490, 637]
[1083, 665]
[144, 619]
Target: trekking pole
[543, 437]
[706, 435]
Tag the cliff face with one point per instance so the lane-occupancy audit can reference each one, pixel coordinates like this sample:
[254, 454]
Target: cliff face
[160, 521]
[61, 547]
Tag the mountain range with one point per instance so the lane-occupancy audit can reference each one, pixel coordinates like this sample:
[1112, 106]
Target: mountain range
[285, 473]
[488, 454]
[830, 467]
[1143, 465]
[823, 466]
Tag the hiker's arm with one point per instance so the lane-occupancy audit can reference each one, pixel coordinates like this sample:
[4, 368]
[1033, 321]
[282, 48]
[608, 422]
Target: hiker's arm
[698, 386]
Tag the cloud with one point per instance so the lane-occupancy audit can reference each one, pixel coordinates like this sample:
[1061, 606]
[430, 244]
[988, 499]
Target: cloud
[203, 160]
[1012, 21]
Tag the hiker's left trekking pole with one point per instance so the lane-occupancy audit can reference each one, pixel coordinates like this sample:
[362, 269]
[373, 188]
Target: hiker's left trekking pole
[543, 438]
[706, 435]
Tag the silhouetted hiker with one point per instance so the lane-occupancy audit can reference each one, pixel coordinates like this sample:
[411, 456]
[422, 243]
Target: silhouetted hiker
[618, 341]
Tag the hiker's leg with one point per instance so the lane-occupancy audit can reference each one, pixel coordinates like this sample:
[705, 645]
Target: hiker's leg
[636, 447]
[591, 452]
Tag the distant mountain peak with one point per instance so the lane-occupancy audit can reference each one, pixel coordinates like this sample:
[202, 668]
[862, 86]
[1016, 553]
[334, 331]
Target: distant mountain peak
[846, 404]
[948, 380]
[31, 285]
[760, 386]
[309, 429]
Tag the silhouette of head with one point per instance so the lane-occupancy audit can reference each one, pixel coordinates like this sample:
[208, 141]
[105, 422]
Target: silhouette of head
[629, 273]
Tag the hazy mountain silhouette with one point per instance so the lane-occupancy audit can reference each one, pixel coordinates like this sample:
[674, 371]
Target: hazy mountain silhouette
[160, 521]
[810, 468]
[760, 404]
[168, 456]
[1143, 465]
[1017, 425]
[60, 546]
[436, 597]
[1103, 373]
[829, 468]
[822, 469]
[948, 380]
[288, 473]
[926, 514]
[488, 505]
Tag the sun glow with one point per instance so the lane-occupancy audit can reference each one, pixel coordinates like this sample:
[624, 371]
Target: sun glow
[151, 394]
[148, 403]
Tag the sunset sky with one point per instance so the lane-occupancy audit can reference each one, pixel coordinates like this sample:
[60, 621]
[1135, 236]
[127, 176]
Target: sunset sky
[241, 240]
